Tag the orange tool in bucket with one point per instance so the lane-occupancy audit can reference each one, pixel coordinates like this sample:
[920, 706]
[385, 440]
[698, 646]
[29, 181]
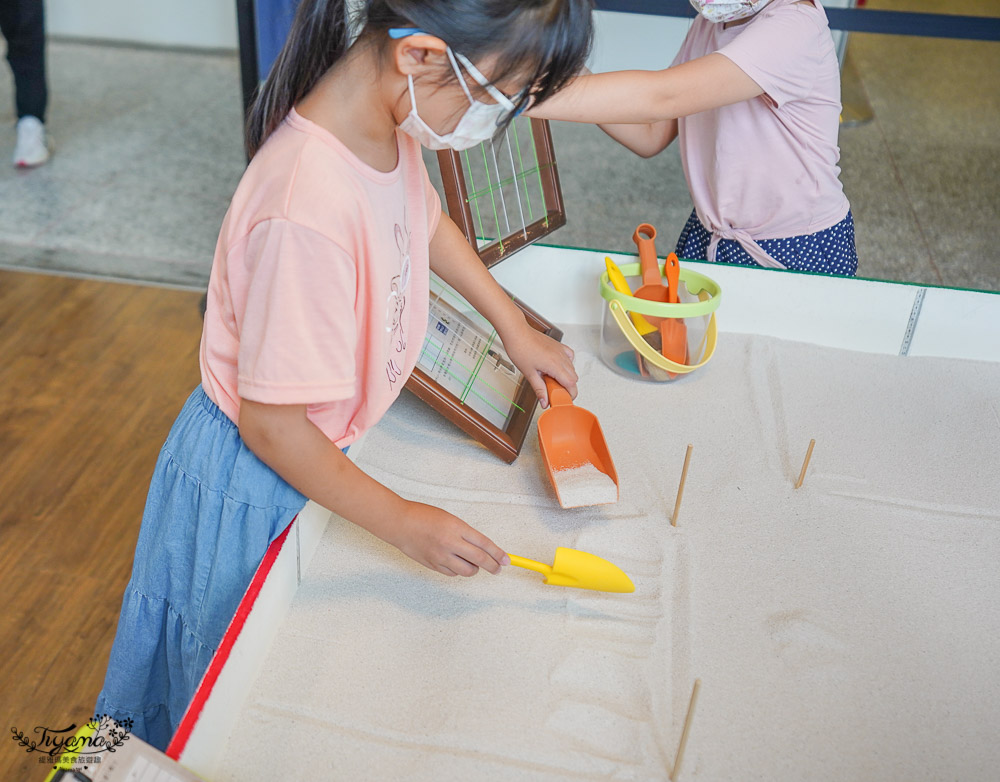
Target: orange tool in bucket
[575, 452]
[673, 332]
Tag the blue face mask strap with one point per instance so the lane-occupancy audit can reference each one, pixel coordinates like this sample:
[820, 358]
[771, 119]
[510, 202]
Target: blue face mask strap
[403, 32]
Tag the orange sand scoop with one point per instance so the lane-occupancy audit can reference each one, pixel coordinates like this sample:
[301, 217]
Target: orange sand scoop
[652, 288]
[572, 568]
[673, 332]
[575, 452]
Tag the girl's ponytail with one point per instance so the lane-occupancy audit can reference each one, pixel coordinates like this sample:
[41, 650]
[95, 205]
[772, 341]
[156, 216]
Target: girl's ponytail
[319, 36]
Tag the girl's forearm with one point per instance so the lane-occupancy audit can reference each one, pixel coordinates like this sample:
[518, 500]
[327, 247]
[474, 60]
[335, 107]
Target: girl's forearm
[455, 262]
[290, 444]
[646, 140]
[650, 96]
[606, 98]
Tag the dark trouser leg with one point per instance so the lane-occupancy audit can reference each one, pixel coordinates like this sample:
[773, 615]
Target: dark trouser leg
[23, 25]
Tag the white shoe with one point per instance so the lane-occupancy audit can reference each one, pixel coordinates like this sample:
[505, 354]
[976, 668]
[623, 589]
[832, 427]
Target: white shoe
[31, 149]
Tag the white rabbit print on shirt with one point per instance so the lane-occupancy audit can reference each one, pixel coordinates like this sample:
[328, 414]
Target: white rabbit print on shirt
[396, 305]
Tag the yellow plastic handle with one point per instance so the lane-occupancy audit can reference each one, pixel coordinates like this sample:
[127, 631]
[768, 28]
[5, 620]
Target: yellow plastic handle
[620, 284]
[530, 564]
[616, 277]
[68, 758]
[645, 350]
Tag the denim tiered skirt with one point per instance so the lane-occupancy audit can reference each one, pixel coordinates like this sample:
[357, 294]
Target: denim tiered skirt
[212, 511]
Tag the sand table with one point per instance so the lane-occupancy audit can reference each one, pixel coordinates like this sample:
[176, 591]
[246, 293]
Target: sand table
[846, 630]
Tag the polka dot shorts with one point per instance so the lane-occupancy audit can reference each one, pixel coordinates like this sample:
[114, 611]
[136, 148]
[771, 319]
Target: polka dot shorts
[829, 252]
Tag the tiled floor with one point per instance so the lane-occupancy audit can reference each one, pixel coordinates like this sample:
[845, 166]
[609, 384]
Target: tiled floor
[148, 152]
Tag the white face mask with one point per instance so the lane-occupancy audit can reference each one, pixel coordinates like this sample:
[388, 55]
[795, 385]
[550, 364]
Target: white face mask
[727, 10]
[479, 122]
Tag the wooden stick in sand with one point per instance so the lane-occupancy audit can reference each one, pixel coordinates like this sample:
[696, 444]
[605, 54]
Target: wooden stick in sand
[684, 733]
[805, 464]
[680, 489]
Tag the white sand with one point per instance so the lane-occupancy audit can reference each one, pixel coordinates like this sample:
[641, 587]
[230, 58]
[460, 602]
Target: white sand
[846, 630]
[584, 485]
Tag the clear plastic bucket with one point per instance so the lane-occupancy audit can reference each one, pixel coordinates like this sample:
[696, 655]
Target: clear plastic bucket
[630, 334]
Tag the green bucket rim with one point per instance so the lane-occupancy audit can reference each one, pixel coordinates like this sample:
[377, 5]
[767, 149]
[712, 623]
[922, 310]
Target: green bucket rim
[694, 281]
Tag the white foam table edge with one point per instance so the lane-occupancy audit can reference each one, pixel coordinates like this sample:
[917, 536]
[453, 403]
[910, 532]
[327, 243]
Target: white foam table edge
[853, 314]
[958, 324]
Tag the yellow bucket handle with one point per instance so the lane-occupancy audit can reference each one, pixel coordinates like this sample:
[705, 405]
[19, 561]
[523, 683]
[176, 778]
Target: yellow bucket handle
[645, 350]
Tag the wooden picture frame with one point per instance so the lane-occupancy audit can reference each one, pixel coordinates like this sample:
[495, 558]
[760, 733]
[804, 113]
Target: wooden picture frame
[532, 168]
[503, 439]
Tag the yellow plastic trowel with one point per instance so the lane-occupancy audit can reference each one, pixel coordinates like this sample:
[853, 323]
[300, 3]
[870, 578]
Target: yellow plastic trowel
[579, 569]
[643, 326]
[646, 330]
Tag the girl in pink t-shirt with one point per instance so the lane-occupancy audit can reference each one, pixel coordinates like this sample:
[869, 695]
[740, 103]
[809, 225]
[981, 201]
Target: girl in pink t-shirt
[316, 312]
[753, 98]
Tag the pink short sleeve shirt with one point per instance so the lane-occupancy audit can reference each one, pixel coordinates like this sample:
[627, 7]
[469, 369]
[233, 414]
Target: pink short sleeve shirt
[768, 166]
[319, 288]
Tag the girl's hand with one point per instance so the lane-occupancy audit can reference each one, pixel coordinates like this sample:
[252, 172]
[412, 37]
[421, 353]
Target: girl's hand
[443, 542]
[536, 354]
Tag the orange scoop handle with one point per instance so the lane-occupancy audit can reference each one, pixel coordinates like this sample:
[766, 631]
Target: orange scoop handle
[558, 396]
[672, 271]
[644, 237]
[673, 331]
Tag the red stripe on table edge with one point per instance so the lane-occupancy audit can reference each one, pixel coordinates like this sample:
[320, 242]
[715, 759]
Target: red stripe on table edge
[194, 709]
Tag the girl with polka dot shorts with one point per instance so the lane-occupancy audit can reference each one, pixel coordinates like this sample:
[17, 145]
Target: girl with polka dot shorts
[753, 98]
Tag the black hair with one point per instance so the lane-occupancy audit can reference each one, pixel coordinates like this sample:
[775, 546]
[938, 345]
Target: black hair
[542, 43]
